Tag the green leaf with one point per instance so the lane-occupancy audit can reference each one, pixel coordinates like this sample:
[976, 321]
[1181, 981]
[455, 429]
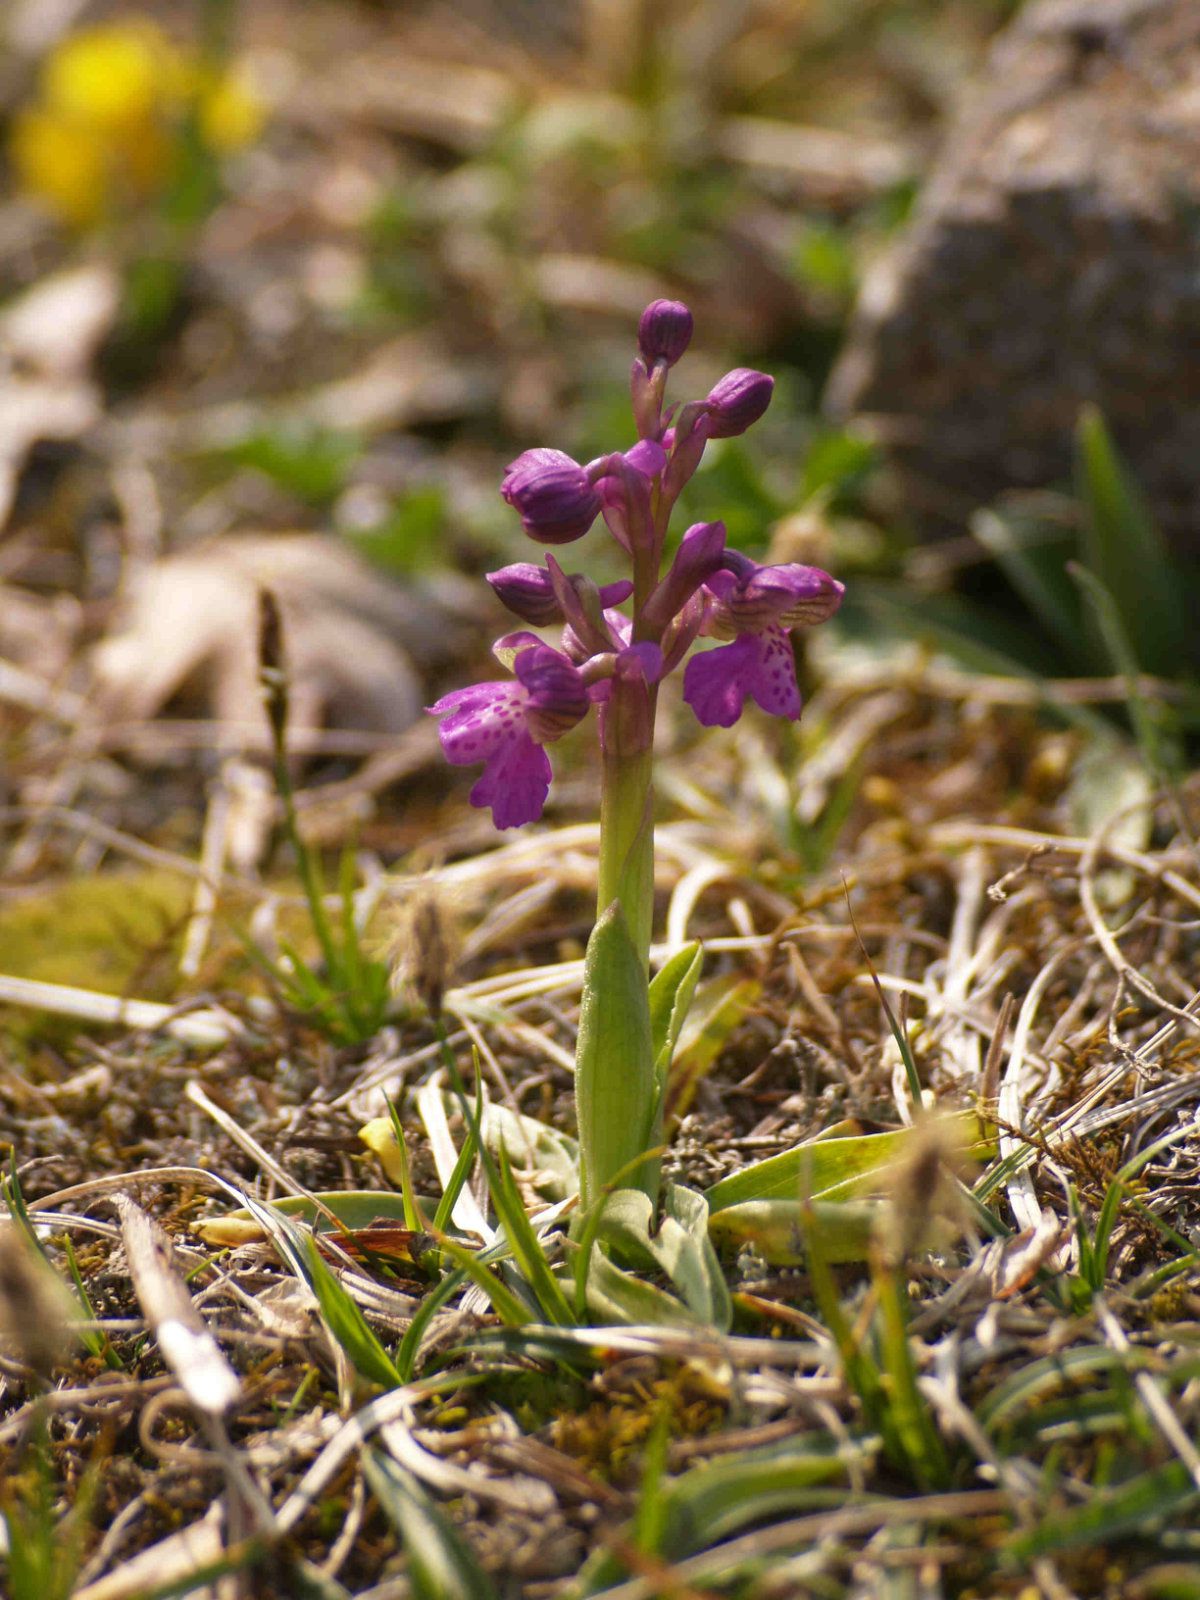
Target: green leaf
[718, 1010]
[779, 1230]
[671, 991]
[820, 1166]
[679, 1247]
[348, 1325]
[1125, 550]
[616, 1296]
[616, 1088]
[1137, 1507]
[548, 1157]
[714, 1501]
[440, 1567]
[1033, 558]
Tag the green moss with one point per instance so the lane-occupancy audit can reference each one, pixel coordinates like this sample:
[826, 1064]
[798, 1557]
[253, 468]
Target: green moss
[116, 932]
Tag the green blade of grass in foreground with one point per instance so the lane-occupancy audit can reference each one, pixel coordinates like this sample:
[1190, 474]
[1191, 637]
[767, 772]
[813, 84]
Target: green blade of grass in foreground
[440, 1567]
[348, 1325]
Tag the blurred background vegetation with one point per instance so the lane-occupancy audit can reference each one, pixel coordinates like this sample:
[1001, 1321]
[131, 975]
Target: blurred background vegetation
[325, 267]
[456, 212]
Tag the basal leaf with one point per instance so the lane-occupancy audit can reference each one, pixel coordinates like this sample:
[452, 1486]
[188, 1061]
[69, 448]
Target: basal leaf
[616, 1089]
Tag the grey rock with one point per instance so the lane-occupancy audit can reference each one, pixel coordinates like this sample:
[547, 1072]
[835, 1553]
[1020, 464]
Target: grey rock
[1054, 259]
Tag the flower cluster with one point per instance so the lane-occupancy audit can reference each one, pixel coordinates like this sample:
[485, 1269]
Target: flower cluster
[605, 656]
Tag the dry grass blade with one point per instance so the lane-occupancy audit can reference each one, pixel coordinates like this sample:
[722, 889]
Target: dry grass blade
[184, 1340]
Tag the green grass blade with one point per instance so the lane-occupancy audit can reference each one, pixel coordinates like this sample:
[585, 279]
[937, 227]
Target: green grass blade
[507, 1305]
[1154, 726]
[908, 1414]
[95, 1342]
[1033, 559]
[348, 1325]
[440, 1567]
[1138, 1507]
[1127, 554]
[524, 1243]
[527, 1248]
[412, 1211]
[406, 1354]
[458, 1179]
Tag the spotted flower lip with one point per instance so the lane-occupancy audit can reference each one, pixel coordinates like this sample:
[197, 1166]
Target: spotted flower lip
[756, 666]
[552, 494]
[505, 724]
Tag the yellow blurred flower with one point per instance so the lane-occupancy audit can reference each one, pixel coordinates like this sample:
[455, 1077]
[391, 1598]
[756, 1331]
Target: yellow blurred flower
[111, 111]
[52, 162]
[110, 78]
[231, 114]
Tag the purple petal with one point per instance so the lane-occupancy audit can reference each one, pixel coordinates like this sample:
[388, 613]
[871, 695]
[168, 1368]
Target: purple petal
[515, 781]
[714, 682]
[526, 590]
[695, 560]
[737, 401]
[643, 660]
[789, 595]
[615, 594]
[647, 457]
[555, 696]
[552, 495]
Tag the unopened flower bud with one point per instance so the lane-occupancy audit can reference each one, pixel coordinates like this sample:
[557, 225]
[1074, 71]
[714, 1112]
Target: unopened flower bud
[737, 401]
[530, 592]
[527, 591]
[664, 332]
[697, 558]
[552, 495]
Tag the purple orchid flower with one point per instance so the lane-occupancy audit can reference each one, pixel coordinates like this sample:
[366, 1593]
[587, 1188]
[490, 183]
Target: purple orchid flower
[618, 660]
[505, 724]
[756, 606]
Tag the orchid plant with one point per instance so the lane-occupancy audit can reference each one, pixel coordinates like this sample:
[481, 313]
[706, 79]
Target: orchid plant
[618, 644]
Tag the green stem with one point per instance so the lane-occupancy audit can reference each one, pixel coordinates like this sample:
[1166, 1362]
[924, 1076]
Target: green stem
[626, 870]
[310, 872]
